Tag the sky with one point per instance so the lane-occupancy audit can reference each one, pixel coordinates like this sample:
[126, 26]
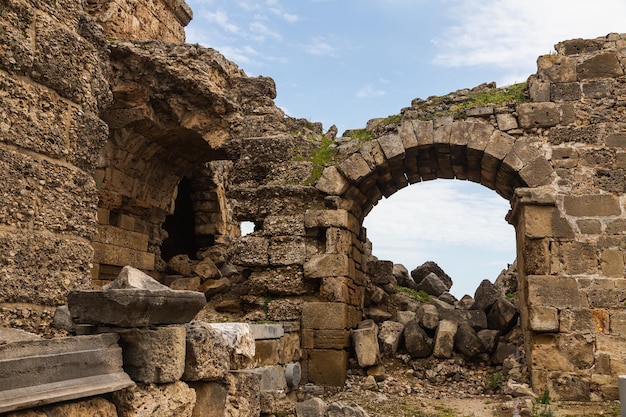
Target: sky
[343, 62]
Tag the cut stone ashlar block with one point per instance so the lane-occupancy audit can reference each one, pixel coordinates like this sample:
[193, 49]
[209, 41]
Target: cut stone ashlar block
[134, 308]
[39, 372]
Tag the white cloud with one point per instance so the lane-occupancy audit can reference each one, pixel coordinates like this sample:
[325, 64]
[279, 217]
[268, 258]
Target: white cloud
[369, 92]
[260, 31]
[220, 18]
[510, 34]
[319, 46]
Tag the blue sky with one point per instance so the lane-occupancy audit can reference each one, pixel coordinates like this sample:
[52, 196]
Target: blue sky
[344, 62]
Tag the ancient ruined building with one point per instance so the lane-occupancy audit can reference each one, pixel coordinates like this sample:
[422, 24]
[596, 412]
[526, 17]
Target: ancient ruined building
[110, 123]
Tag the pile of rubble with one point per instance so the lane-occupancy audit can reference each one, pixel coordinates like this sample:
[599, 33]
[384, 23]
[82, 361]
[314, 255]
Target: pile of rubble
[414, 316]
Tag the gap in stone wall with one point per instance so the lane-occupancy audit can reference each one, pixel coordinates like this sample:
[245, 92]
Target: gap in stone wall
[180, 226]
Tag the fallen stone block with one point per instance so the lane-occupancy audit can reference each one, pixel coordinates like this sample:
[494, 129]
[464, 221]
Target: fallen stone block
[134, 308]
[389, 337]
[444, 339]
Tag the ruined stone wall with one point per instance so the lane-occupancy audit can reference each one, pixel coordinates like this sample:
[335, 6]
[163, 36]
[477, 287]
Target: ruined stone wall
[53, 84]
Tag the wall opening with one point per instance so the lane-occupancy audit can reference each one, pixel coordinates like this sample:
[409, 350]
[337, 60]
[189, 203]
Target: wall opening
[180, 225]
[457, 224]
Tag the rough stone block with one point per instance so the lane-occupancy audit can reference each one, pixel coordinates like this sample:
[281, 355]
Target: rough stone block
[116, 236]
[150, 400]
[444, 339]
[576, 258]
[532, 115]
[327, 366]
[267, 331]
[332, 182]
[266, 352]
[327, 218]
[210, 399]
[289, 348]
[592, 205]
[272, 377]
[366, 346]
[250, 251]
[557, 68]
[389, 337]
[355, 168]
[279, 281]
[244, 394]
[392, 147]
[605, 65]
[555, 291]
[154, 355]
[613, 263]
[325, 316]
[544, 319]
[240, 342]
[327, 265]
[207, 355]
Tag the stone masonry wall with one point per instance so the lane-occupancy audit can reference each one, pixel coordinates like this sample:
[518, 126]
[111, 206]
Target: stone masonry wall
[53, 84]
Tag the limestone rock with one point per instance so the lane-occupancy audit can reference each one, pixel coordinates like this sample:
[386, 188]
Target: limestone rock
[154, 355]
[446, 297]
[489, 339]
[212, 287]
[502, 315]
[466, 302]
[133, 278]
[429, 267]
[239, 339]
[341, 409]
[401, 274]
[377, 314]
[207, 355]
[430, 318]
[168, 400]
[206, 269]
[444, 339]
[365, 342]
[180, 264]
[380, 272]
[432, 285]
[244, 391]
[404, 317]
[486, 295]
[315, 407]
[211, 399]
[416, 341]
[389, 337]
[467, 342]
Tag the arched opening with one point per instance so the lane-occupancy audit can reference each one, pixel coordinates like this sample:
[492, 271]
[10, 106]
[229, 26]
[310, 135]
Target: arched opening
[459, 225]
[180, 225]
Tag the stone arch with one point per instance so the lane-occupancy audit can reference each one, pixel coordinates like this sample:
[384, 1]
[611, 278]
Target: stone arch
[473, 150]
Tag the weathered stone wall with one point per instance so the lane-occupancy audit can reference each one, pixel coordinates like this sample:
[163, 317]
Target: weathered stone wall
[163, 20]
[53, 84]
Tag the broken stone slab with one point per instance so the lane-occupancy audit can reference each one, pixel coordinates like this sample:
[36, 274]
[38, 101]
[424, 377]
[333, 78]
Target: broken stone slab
[39, 372]
[134, 307]
[240, 341]
[10, 335]
[419, 273]
[432, 285]
[314, 407]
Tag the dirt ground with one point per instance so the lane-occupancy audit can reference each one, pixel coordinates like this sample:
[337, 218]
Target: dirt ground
[405, 393]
